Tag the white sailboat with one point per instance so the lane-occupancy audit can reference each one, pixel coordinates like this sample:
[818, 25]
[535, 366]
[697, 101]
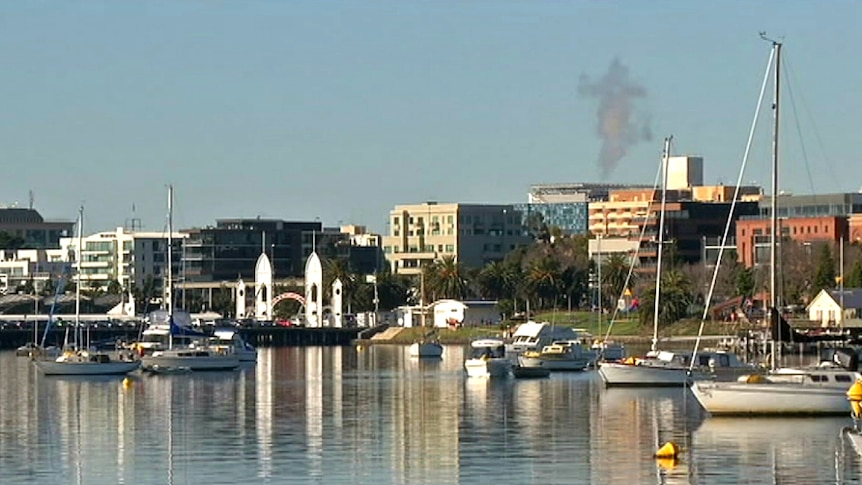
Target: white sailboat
[193, 354]
[660, 367]
[79, 360]
[810, 391]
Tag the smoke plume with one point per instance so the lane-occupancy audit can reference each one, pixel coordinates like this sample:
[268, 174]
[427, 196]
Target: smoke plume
[616, 122]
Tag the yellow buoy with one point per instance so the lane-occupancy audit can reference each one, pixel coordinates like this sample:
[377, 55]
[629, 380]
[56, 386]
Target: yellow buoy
[854, 394]
[668, 450]
[127, 383]
[666, 463]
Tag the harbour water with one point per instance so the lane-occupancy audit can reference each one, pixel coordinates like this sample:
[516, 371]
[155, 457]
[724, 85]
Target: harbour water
[377, 416]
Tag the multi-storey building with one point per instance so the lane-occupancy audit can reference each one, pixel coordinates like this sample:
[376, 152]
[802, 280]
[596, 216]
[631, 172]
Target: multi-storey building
[570, 217]
[129, 258]
[230, 250]
[474, 234]
[36, 232]
[754, 235]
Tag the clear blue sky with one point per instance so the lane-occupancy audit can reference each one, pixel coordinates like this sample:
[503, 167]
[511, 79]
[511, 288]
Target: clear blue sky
[340, 110]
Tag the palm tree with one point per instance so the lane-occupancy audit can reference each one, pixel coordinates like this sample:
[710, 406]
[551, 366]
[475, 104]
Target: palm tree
[496, 281]
[615, 270]
[444, 279]
[544, 280]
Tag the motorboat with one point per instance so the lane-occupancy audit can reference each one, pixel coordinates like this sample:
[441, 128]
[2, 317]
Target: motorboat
[565, 355]
[187, 347]
[666, 368]
[229, 339]
[535, 336]
[426, 349]
[85, 362]
[488, 359]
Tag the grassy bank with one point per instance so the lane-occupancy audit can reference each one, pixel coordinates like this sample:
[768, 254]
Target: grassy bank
[624, 330]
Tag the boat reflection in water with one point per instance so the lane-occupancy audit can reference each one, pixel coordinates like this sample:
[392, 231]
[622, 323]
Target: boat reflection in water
[773, 450]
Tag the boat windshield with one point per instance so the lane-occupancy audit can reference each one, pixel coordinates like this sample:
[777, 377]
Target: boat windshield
[488, 353]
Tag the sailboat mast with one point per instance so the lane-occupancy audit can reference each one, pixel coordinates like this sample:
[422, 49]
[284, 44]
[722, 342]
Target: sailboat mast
[169, 303]
[774, 316]
[80, 258]
[664, 166]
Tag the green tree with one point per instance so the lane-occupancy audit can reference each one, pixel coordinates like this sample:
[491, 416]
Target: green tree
[114, 287]
[544, 281]
[674, 299]
[854, 278]
[824, 278]
[444, 279]
[615, 270]
[11, 241]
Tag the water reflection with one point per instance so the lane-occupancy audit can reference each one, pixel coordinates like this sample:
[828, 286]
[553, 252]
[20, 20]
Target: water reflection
[756, 450]
[377, 415]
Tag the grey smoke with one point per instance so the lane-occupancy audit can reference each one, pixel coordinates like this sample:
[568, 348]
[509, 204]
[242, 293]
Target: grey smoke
[617, 123]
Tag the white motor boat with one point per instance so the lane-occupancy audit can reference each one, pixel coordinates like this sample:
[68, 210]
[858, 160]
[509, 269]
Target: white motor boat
[194, 358]
[86, 363]
[567, 355]
[186, 347]
[664, 368]
[535, 336]
[426, 350]
[488, 359]
[230, 340]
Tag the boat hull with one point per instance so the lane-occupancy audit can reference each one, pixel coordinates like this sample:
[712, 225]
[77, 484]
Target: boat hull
[522, 372]
[630, 375]
[741, 398]
[488, 367]
[554, 364]
[195, 363]
[426, 349]
[51, 368]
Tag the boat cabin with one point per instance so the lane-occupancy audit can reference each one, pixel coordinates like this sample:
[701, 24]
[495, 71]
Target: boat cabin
[535, 336]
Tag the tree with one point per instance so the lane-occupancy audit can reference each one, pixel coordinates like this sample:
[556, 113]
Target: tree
[854, 278]
[674, 299]
[544, 280]
[615, 270]
[114, 287]
[443, 279]
[825, 276]
[11, 241]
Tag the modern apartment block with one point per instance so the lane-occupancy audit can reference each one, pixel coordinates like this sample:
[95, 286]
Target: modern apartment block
[474, 234]
[36, 232]
[127, 257]
[570, 217]
[229, 250]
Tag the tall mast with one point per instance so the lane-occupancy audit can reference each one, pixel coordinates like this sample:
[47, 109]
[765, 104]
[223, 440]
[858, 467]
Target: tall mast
[665, 162]
[773, 239]
[169, 304]
[80, 258]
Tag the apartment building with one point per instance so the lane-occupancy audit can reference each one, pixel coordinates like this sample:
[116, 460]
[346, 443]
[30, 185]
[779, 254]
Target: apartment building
[474, 234]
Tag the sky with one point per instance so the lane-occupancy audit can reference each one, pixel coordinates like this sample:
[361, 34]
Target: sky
[339, 110]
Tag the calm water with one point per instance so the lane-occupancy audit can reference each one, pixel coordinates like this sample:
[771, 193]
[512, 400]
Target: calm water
[342, 415]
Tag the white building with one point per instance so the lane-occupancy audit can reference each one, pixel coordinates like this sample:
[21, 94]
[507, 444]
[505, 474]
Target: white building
[827, 305]
[128, 257]
[36, 265]
[684, 172]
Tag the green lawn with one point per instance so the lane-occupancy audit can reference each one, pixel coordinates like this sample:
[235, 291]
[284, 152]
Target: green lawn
[582, 320]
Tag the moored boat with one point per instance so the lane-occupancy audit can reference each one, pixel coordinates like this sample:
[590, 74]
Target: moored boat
[567, 355]
[488, 359]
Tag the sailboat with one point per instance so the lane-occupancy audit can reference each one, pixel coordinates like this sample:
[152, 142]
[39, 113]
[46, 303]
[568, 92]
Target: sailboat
[186, 348]
[662, 367]
[427, 346]
[77, 359]
[782, 391]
